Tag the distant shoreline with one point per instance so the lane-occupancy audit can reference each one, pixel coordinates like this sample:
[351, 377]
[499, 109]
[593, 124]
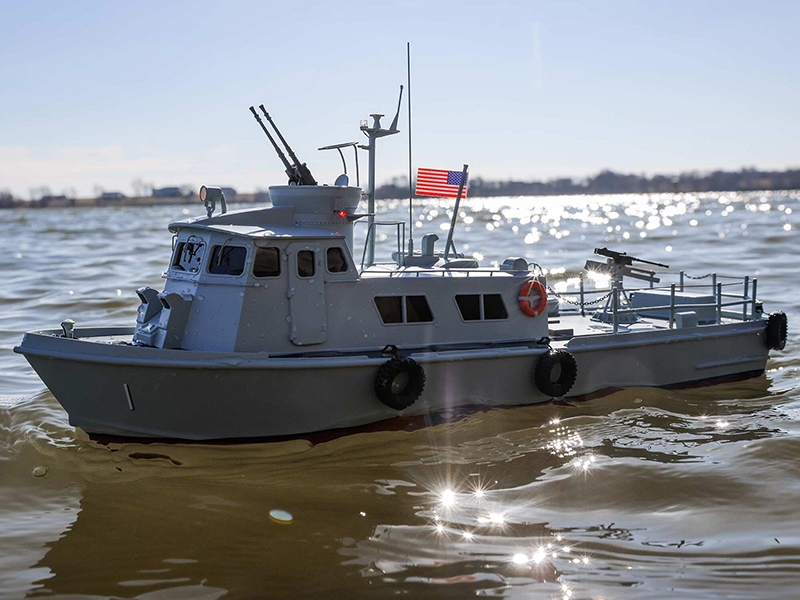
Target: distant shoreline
[606, 182]
[263, 198]
[61, 202]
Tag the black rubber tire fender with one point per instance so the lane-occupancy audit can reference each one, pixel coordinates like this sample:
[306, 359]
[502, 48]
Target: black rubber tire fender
[776, 330]
[399, 382]
[555, 373]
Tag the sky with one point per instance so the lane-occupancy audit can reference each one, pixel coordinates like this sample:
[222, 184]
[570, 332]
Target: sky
[98, 94]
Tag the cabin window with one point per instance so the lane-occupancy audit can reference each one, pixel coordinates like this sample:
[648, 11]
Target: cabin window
[267, 262]
[336, 260]
[404, 309]
[227, 260]
[470, 307]
[390, 308]
[493, 307]
[188, 256]
[417, 310]
[305, 263]
[480, 307]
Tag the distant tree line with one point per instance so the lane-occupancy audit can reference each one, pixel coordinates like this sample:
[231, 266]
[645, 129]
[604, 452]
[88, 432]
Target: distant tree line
[605, 182]
[610, 182]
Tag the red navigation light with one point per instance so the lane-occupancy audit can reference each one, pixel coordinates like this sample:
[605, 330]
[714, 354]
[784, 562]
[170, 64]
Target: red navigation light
[341, 214]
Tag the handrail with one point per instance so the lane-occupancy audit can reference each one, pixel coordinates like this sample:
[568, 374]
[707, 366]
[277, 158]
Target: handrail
[721, 300]
[401, 239]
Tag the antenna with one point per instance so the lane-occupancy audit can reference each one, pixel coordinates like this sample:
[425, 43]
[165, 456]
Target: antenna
[410, 194]
[290, 171]
[305, 177]
[393, 126]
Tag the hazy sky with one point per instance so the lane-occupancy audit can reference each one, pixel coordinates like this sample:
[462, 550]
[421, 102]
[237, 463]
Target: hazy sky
[100, 93]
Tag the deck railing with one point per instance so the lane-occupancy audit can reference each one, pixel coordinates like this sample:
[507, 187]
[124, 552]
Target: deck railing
[617, 303]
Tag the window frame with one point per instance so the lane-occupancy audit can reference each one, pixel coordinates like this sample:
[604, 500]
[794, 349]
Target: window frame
[313, 264]
[255, 256]
[221, 247]
[345, 260]
[403, 309]
[482, 308]
[178, 251]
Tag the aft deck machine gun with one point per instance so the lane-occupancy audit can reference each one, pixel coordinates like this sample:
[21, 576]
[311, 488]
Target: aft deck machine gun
[299, 173]
[619, 265]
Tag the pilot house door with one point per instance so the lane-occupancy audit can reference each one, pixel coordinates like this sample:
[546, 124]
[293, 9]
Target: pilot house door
[306, 295]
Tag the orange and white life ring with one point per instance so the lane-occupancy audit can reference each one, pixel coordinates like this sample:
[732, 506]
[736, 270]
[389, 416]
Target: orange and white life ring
[533, 298]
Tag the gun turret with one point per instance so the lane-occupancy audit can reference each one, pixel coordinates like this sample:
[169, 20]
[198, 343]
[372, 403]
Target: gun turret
[290, 170]
[622, 258]
[302, 171]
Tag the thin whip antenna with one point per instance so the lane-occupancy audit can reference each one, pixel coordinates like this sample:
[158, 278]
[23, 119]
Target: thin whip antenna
[410, 193]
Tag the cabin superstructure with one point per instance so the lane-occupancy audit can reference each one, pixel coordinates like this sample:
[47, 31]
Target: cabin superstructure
[285, 279]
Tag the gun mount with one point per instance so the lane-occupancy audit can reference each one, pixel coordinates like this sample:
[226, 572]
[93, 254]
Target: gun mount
[298, 172]
[303, 173]
[619, 265]
[622, 258]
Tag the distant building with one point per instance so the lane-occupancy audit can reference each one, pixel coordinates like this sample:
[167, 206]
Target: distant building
[167, 192]
[112, 196]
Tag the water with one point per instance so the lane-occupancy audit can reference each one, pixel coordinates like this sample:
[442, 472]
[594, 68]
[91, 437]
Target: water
[640, 494]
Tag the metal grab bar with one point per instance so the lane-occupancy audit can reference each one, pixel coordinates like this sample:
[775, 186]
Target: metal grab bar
[401, 239]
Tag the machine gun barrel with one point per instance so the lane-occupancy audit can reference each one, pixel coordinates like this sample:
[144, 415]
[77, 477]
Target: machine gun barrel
[622, 258]
[290, 171]
[302, 170]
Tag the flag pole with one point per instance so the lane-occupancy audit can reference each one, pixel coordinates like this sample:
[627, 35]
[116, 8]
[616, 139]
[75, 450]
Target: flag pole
[455, 215]
[410, 193]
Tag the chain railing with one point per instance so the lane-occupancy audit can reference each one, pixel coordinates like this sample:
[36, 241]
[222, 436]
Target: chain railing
[679, 299]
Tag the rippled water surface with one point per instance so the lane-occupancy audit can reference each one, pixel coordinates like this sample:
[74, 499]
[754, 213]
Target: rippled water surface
[645, 493]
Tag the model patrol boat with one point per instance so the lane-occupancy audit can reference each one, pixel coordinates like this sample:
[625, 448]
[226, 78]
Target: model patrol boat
[270, 325]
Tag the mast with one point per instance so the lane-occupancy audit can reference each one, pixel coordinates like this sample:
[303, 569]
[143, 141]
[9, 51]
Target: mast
[373, 133]
[410, 194]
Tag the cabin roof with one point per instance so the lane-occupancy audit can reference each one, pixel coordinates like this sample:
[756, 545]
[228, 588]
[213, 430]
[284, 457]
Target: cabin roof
[268, 231]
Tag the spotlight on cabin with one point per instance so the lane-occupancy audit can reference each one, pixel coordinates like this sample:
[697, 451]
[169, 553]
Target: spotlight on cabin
[210, 196]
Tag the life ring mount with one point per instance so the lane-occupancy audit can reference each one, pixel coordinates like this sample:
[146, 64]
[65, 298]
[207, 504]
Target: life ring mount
[532, 298]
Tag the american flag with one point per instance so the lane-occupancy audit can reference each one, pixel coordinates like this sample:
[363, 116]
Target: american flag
[440, 183]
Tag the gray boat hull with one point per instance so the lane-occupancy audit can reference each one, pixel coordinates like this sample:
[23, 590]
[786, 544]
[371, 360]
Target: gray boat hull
[126, 390]
[668, 357]
[147, 392]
